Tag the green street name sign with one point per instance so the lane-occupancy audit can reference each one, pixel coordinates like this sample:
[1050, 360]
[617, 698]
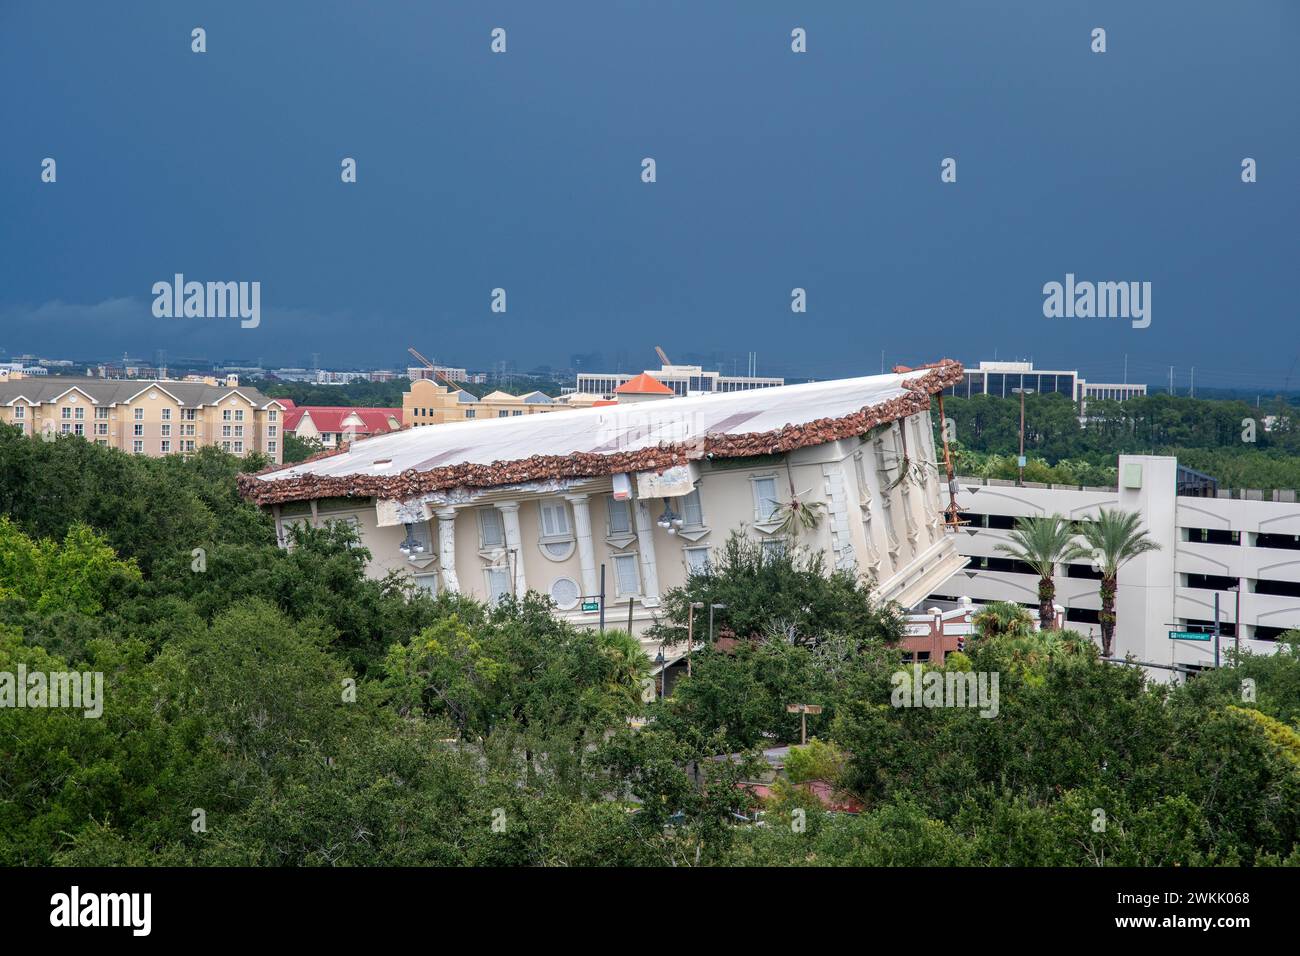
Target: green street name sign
[591, 605]
[1190, 636]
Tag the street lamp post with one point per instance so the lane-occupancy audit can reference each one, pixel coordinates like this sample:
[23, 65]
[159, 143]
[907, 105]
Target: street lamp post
[1020, 462]
[690, 632]
[712, 608]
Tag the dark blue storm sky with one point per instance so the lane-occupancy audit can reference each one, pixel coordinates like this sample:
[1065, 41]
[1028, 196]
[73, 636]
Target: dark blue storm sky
[775, 170]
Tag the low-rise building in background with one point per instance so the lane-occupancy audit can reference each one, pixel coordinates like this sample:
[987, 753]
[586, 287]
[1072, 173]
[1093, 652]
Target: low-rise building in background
[430, 402]
[1000, 379]
[330, 425]
[681, 379]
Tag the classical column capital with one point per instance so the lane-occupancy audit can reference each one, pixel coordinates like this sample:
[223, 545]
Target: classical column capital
[507, 505]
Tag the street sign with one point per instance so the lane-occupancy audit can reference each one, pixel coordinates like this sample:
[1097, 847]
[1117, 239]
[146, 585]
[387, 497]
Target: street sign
[803, 710]
[591, 605]
[1190, 636]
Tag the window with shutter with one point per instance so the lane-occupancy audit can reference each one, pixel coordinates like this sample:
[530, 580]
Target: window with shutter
[498, 584]
[627, 575]
[491, 531]
[692, 513]
[620, 516]
[765, 501]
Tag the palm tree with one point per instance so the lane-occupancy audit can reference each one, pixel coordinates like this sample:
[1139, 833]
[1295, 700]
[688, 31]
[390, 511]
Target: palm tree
[1043, 543]
[628, 668]
[1114, 537]
[1002, 619]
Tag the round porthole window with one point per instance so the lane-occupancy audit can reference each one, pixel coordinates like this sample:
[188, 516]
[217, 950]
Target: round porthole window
[565, 593]
[557, 550]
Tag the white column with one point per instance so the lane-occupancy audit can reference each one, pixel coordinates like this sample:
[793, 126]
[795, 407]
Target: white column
[447, 548]
[586, 552]
[514, 548]
[646, 545]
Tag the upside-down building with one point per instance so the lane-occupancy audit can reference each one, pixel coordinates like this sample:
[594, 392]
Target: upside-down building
[637, 495]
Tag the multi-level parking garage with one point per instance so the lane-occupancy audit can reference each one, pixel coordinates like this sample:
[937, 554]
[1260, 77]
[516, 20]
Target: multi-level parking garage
[1244, 546]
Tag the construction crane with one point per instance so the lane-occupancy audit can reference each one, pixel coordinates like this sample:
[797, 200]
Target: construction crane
[663, 357]
[432, 368]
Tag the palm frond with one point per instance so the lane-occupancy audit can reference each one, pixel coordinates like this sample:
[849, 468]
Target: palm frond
[1043, 542]
[1115, 537]
[794, 516]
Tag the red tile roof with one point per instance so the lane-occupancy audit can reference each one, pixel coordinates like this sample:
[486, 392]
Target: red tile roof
[329, 418]
[643, 384]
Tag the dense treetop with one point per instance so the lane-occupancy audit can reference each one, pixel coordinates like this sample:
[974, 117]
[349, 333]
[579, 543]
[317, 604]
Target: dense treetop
[276, 707]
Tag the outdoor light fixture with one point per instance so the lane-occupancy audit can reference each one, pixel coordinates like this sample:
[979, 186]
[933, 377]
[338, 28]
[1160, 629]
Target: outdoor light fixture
[670, 520]
[410, 547]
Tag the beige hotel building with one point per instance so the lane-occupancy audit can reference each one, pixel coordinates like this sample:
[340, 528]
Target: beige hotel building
[147, 417]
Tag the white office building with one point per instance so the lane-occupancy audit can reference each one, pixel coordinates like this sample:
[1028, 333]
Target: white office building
[1002, 378]
[682, 379]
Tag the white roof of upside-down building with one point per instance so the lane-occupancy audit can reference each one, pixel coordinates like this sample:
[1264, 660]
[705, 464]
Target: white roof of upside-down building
[605, 439]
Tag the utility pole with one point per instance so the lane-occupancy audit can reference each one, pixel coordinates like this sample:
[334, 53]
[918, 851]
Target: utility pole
[602, 599]
[1171, 380]
[1191, 392]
